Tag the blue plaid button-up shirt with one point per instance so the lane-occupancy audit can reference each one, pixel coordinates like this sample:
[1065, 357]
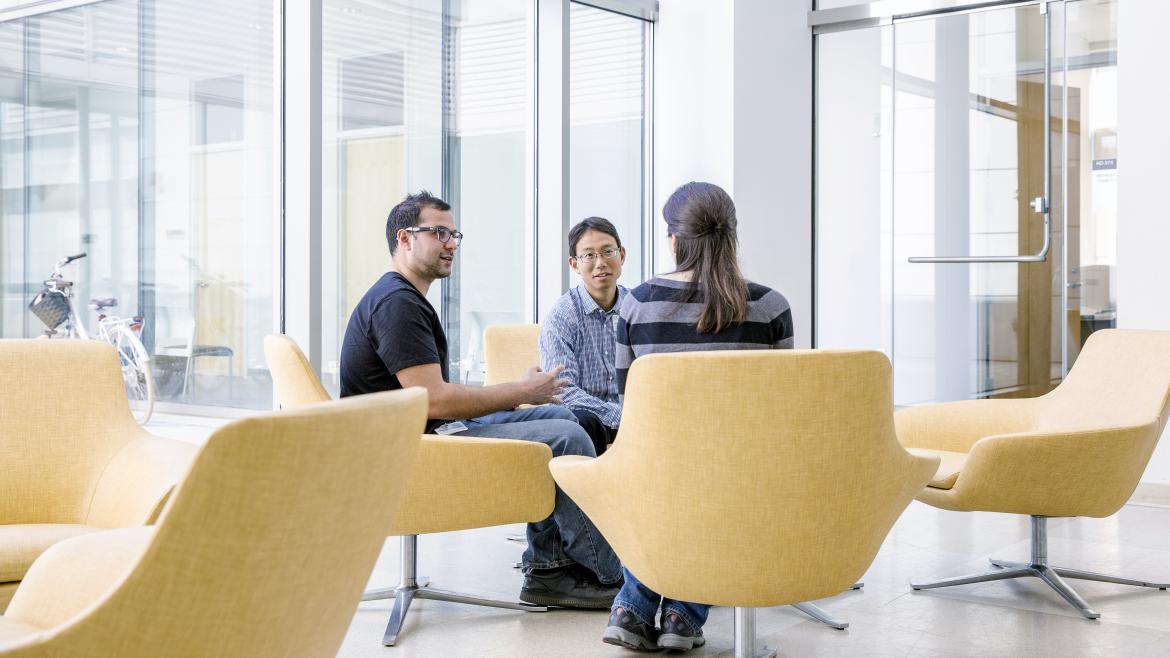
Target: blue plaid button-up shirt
[578, 334]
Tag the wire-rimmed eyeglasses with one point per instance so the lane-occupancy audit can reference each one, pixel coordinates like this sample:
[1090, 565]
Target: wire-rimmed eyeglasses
[590, 256]
[442, 233]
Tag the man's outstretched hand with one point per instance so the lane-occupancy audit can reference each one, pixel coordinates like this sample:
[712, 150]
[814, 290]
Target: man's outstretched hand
[541, 387]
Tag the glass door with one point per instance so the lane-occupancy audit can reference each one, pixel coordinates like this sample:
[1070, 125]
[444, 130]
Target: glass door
[975, 306]
[950, 194]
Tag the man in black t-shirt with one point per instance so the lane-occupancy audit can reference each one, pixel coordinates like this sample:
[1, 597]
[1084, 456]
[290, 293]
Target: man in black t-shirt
[394, 340]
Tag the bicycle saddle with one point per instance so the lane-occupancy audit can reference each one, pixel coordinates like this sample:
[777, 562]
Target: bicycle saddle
[102, 304]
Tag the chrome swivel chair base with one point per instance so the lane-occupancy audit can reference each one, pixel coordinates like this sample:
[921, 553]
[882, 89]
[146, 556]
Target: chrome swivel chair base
[821, 615]
[1038, 567]
[411, 587]
[744, 626]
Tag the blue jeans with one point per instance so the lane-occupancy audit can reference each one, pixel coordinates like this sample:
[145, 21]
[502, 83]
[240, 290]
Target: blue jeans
[567, 535]
[643, 602]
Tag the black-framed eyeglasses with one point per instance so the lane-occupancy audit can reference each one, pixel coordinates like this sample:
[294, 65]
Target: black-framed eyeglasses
[442, 233]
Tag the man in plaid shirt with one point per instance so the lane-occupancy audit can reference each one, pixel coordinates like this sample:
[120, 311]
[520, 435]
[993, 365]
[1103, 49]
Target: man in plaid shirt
[579, 330]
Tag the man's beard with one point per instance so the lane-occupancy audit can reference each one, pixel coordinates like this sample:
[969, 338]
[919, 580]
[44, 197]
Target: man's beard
[436, 270]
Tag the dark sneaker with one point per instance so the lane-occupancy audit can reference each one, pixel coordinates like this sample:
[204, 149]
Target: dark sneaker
[677, 634]
[625, 630]
[566, 587]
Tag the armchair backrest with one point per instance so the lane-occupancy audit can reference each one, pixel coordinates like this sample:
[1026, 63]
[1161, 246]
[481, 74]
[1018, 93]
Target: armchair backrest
[1121, 378]
[293, 377]
[755, 478]
[509, 351]
[268, 542]
[63, 416]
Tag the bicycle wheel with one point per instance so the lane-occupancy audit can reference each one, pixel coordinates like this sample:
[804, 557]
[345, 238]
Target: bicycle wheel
[136, 371]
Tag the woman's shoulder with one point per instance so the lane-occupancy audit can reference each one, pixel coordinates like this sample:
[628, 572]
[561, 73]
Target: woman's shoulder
[655, 287]
[759, 293]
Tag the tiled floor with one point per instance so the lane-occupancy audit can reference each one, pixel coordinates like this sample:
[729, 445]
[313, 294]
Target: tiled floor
[887, 618]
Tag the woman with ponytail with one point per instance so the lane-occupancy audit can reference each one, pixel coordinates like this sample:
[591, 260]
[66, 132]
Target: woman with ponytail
[705, 304]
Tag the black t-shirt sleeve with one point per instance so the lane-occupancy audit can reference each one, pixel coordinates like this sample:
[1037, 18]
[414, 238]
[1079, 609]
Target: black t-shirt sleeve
[401, 333]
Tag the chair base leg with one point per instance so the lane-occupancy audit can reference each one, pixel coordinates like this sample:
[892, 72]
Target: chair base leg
[413, 587]
[1077, 574]
[1062, 588]
[405, 595]
[819, 614]
[402, 601]
[1043, 572]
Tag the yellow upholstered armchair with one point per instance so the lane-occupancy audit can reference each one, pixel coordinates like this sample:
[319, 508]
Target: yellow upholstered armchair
[263, 552]
[509, 350]
[458, 483]
[1080, 450]
[786, 461]
[72, 459]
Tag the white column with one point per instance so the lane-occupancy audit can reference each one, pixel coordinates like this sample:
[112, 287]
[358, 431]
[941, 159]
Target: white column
[301, 263]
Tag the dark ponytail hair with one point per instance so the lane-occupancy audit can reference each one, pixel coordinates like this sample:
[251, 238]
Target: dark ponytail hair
[701, 217]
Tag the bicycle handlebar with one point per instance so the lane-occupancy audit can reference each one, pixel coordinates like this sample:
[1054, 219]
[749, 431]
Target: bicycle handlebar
[66, 260]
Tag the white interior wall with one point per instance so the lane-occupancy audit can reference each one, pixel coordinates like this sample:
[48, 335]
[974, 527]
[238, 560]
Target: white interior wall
[1143, 234]
[733, 85]
[693, 101]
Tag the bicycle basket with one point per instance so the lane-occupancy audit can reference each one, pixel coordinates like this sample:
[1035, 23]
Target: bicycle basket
[51, 306]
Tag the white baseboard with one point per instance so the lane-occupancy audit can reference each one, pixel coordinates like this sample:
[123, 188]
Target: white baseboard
[1151, 493]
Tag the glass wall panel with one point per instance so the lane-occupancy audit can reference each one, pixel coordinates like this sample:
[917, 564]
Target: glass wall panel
[142, 133]
[13, 316]
[145, 133]
[209, 211]
[381, 112]
[606, 94]
[488, 166]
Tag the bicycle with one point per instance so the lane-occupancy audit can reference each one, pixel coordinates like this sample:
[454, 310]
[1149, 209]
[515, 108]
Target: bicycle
[53, 305]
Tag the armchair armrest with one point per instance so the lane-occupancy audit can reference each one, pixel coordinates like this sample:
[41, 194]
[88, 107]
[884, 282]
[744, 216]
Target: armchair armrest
[576, 473]
[76, 573]
[601, 487]
[956, 426]
[1089, 472]
[138, 481]
[460, 483]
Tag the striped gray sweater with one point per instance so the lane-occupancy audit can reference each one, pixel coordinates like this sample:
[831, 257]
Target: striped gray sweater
[661, 316]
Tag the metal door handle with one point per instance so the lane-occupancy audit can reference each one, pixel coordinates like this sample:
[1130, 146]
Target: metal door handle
[1040, 203]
